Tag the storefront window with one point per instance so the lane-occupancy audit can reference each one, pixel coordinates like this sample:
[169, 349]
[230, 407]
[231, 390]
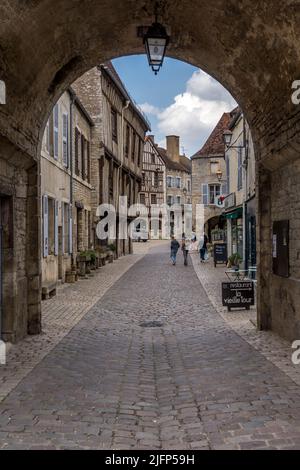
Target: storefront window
[237, 236]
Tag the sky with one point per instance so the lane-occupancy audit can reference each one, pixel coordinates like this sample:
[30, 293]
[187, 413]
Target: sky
[180, 100]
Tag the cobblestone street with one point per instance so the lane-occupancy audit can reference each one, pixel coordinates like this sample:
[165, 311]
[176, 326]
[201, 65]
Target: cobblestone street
[113, 381]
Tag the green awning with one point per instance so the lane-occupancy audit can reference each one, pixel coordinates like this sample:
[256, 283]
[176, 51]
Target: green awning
[237, 214]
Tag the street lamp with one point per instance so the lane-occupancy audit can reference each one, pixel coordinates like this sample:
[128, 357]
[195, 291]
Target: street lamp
[227, 137]
[156, 40]
[219, 175]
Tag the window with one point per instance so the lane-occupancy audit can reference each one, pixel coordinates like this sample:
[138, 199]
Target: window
[133, 146]
[66, 227]
[189, 186]
[56, 129]
[153, 199]
[153, 158]
[178, 183]
[205, 194]
[127, 141]
[51, 226]
[178, 200]
[214, 191]
[240, 170]
[169, 181]
[114, 125]
[65, 140]
[170, 200]
[143, 179]
[156, 179]
[142, 198]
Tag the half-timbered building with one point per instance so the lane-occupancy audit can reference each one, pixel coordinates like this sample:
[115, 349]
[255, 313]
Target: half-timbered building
[153, 188]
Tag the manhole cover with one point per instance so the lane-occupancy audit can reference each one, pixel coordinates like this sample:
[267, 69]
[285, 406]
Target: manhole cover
[152, 324]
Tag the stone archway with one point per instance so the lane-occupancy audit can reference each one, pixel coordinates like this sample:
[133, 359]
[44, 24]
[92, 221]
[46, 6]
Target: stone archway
[252, 48]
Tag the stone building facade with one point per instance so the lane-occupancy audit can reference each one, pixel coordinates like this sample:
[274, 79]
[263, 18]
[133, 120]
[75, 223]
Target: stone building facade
[65, 188]
[240, 204]
[117, 143]
[209, 179]
[178, 181]
[153, 187]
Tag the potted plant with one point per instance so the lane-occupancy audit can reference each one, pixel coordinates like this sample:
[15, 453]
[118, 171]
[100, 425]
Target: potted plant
[234, 261]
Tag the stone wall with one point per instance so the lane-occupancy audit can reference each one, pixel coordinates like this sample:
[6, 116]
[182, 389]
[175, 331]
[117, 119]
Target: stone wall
[285, 205]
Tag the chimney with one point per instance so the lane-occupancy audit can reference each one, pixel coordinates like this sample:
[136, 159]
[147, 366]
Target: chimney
[173, 147]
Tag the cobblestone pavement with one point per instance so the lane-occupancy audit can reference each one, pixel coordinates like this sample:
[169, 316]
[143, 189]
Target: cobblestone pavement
[275, 349]
[192, 383]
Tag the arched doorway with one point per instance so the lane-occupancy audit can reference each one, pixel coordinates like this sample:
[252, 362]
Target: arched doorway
[251, 49]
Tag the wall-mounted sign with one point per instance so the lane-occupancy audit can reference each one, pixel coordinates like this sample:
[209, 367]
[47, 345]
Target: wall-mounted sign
[238, 294]
[220, 253]
[229, 201]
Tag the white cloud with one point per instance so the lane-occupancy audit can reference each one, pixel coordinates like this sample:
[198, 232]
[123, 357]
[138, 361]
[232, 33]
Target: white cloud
[149, 109]
[193, 114]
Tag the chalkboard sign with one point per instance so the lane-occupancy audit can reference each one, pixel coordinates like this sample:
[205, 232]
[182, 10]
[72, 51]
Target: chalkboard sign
[220, 253]
[238, 294]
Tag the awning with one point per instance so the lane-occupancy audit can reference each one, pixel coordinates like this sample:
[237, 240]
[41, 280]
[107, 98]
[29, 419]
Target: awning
[237, 214]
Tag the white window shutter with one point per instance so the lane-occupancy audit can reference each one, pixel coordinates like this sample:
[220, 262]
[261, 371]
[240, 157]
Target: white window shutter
[46, 224]
[65, 141]
[205, 194]
[56, 228]
[63, 228]
[70, 231]
[56, 130]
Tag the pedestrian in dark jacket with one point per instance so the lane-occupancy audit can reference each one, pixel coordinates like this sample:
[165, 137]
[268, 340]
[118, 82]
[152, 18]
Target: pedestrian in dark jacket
[203, 247]
[174, 249]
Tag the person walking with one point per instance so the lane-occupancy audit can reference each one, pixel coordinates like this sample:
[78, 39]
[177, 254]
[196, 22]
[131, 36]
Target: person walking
[203, 247]
[174, 249]
[185, 246]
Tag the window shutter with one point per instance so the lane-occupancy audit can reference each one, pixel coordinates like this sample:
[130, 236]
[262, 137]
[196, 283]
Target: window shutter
[70, 231]
[63, 228]
[56, 228]
[240, 170]
[224, 189]
[205, 194]
[55, 127]
[66, 140]
[83, 163]
[88, 161]
[46, 231]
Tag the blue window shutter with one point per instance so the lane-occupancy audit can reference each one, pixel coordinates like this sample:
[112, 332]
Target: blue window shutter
[45, 227]
[70, 231]
[65, 140]
[205, 194]
[63, 227]
[56, 228]
[56, 130]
